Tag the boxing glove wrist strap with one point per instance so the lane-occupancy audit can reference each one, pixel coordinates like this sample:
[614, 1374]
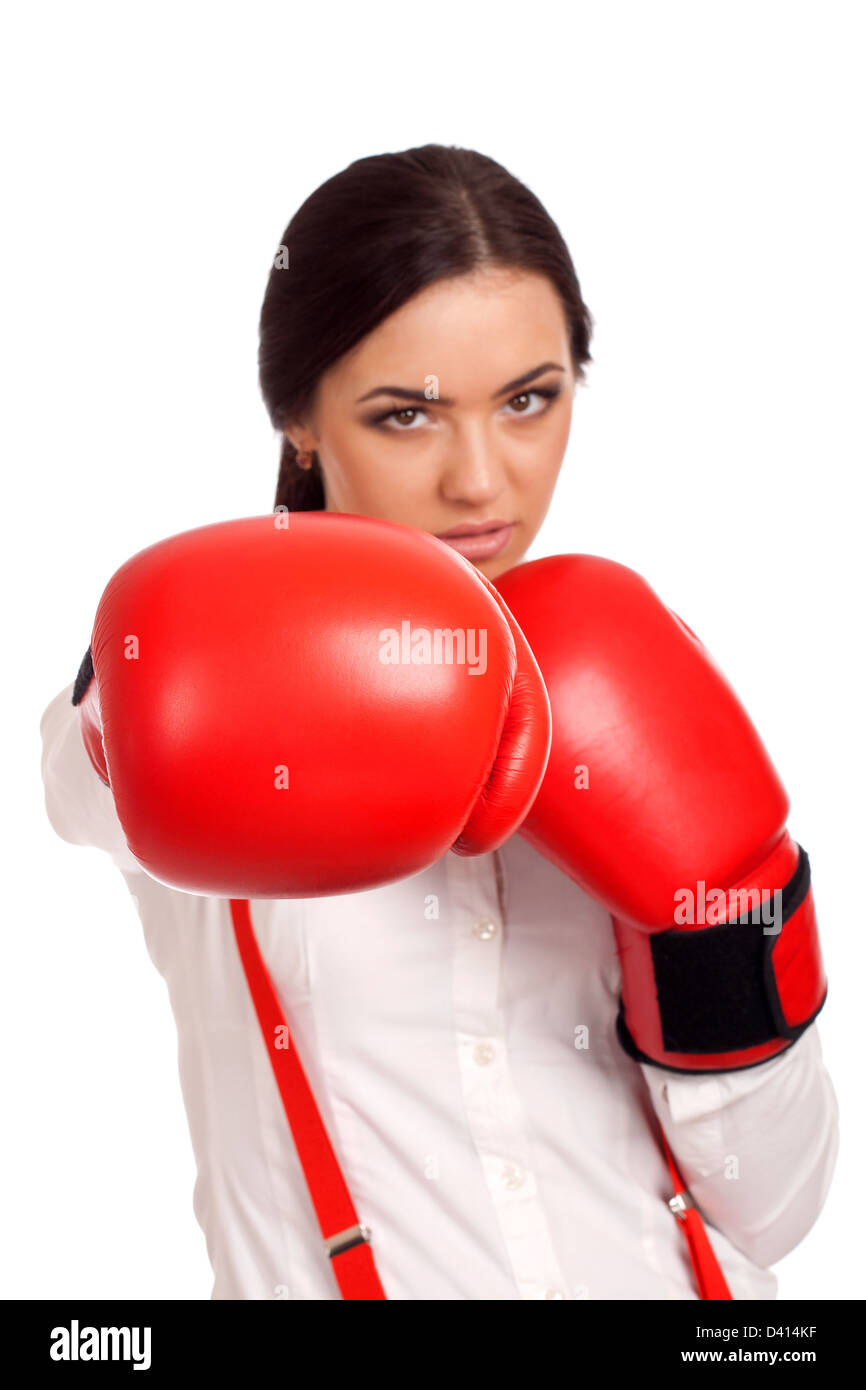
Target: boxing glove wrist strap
[726, 996]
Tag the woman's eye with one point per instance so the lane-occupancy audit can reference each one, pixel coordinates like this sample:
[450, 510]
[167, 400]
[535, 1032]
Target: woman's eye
[398, 416]
[545, 396]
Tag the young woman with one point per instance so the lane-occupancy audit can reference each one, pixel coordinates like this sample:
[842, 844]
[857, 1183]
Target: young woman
[423, 335]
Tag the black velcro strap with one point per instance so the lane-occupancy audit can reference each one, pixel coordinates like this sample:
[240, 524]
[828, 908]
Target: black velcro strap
[716, 986]
[83, 679]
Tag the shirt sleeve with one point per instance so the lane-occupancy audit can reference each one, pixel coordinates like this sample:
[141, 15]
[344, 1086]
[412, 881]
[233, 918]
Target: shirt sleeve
[79, 805]
[757, 1148]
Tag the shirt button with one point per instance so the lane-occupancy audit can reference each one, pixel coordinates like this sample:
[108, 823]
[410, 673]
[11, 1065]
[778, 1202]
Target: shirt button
[485, 928]
[483, 1054]
[551, 1293]
[512, 1176]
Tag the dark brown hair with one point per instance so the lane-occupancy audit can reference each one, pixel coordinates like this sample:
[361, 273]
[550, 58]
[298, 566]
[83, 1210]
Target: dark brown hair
[369, 239]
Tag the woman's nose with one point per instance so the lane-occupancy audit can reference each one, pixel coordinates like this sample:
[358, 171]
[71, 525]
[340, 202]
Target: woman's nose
[473, 473]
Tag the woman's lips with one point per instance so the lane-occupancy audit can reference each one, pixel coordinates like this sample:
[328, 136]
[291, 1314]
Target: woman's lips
[480, 545]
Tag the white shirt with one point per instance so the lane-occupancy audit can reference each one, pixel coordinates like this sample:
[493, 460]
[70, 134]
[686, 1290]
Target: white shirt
[441, 1022]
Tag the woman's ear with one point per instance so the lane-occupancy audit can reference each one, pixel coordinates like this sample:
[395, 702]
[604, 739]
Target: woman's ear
[300, 436]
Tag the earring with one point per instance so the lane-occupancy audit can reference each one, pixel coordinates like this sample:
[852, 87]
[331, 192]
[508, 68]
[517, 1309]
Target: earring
[304, 460]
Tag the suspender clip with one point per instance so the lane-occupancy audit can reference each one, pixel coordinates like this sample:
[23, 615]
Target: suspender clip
[680, 1204]
[347, 1240]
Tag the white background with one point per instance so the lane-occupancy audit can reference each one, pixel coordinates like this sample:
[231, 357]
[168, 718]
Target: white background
[704, 163]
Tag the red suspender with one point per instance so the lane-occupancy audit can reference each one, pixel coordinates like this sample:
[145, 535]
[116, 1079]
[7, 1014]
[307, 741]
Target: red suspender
[708, 1273]
[347, 1240]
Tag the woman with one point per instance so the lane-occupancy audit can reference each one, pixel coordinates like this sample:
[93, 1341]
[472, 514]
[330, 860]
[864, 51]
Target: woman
[422, 338]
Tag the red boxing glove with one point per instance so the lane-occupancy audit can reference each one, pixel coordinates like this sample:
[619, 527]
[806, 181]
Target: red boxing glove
[301, 704]
[661, 801]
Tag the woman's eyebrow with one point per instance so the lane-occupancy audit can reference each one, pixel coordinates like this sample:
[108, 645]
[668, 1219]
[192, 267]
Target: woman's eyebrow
[405, 395]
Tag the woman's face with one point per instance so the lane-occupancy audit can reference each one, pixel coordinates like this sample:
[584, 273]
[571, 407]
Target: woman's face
[453, 413]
